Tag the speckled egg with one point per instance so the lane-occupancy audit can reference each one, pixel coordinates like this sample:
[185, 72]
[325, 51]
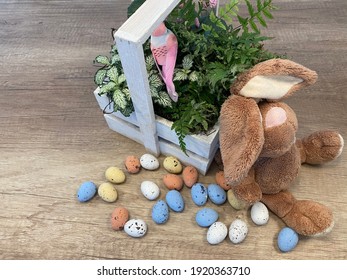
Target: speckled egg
[206, 217]
[172, 165]
[199, 194]
[238, 231]
[150, 190]
[107, 192]
[175, 201]
[190, 176]
[149, 162]
[220, 180]
[119, 217]
[216, 194]
[287, 239]
[216, 233]
[86, 191]
[259, 213]
[173, 182]
[115, 175]
[135, 228]
[234, 202]
[160, 212]
[132, 164]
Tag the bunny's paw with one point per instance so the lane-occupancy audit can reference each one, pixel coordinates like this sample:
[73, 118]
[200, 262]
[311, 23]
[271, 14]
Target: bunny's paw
[309, 218]
[321, 147]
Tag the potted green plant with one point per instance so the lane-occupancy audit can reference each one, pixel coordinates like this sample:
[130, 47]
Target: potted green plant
[215, 43]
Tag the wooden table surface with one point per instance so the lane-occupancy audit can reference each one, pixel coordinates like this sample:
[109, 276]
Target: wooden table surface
[53, 137]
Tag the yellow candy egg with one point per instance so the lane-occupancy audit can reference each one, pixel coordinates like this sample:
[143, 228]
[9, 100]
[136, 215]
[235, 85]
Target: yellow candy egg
[107, 192]
[115, 175]
[172, 165]
[234, 202]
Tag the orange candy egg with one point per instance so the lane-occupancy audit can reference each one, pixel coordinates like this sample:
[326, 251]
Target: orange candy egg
[119, 217]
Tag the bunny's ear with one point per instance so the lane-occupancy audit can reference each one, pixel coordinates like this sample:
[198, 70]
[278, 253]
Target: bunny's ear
[241, 137]
[273, 79]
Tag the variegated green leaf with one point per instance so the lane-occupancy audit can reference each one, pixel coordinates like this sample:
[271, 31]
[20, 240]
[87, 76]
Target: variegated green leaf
[180, 76]
[100, 76]
[164, 99]
[155, 80]
[121, 79]
[112, 73]
[109, 87]
[193, 77]
[187, 62]
[119, 98]
[102, 59]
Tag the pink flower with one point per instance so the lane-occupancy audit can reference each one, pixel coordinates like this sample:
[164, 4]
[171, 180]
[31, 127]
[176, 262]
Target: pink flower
[197, 22]
[213, 3]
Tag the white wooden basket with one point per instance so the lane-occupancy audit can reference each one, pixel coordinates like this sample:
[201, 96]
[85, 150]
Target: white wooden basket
[143, 126]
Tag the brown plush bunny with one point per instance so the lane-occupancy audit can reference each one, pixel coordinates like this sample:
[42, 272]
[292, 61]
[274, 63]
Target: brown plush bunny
[259, 150]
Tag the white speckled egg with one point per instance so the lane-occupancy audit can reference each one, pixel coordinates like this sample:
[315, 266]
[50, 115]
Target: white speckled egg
[150, 190]
[149, 162]
[107, 192]
[135, 228]
[238, 231]
[216, 233]
[259, 214]
[172, 165]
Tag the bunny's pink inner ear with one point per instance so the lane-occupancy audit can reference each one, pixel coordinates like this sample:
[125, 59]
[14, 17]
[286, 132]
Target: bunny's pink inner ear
[241, 137]
[273, 79]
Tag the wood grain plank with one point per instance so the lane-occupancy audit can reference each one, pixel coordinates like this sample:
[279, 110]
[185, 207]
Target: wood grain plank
[53, 137]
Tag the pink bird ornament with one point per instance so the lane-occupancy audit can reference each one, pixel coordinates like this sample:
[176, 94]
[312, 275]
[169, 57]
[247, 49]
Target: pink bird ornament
[164, 48]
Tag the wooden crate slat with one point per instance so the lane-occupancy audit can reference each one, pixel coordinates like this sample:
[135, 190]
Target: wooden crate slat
[123, 127]
[200, 163]
[201, 144]
[141, 24]
[134, 66]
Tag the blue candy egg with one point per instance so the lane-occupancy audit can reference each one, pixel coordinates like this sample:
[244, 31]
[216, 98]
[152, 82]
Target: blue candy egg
[206, 217]
[175, 200]
[216, 194]
[86, 191]
[199, 194]
[287, 239]
[160, 212]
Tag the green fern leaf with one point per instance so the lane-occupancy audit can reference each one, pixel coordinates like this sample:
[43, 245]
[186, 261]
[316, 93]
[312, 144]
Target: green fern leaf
[261, 20]
[250, 8]
[267, 13]
[254, 26]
